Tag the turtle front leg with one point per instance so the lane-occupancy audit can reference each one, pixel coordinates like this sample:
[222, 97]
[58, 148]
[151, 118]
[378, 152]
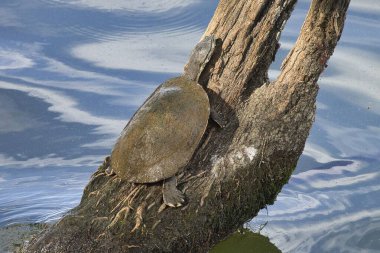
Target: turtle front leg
[171, 195]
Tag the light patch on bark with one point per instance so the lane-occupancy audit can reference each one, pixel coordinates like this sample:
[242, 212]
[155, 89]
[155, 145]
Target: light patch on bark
[233, 160]
[250, 152]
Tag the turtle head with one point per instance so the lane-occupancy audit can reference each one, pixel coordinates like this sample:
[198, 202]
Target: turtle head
[199, 57]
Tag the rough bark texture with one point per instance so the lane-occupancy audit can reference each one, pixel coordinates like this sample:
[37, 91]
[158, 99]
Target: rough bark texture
[237, 170]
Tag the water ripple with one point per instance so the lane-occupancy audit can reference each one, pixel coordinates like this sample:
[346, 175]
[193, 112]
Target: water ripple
[156, 6]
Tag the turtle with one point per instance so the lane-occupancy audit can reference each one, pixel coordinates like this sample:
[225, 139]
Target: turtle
[163, 134]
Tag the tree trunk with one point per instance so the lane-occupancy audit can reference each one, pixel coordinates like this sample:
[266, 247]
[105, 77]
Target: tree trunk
[237, 170]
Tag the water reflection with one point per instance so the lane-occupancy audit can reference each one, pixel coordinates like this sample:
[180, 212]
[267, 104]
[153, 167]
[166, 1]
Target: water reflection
[157, 52]
[73, 72]
[31, 195]
[131, 5]
[14, 60]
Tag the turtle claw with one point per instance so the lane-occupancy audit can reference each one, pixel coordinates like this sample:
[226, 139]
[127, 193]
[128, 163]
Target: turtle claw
[171, 195]
[174, 198]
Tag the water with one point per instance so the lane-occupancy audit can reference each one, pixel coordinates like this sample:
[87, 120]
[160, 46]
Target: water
[73, 72]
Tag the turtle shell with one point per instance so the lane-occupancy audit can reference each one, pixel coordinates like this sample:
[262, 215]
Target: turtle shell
[163, 134]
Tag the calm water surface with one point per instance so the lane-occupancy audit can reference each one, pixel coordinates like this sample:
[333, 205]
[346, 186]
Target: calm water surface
[72, 72]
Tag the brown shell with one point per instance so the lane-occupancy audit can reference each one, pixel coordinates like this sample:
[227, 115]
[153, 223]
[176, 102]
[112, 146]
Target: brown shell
[163, 134]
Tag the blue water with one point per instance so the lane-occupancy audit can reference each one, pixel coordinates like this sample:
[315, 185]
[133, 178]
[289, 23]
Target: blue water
[72, 72]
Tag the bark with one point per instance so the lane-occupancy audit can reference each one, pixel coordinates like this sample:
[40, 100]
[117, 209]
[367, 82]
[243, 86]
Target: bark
[237, 170]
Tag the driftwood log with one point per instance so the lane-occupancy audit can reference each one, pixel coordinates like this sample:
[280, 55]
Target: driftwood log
[237, 170]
